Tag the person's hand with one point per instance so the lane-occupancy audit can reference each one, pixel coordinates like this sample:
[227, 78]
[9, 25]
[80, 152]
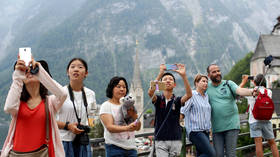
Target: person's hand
[162, 68]
[131, 127]
[20, 65]
[245, 78]
[256, 91]
[131, 113]
[73, 128]
[181, 69]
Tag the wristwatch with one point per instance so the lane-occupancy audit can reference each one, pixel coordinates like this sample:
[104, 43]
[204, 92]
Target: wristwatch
[66, 126]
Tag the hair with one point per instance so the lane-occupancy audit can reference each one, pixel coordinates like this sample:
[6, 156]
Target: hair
[42, 90]
[167, 73]
[113, 83]
[208, 68]
[198, 77]
[260, 80]
[79, 59]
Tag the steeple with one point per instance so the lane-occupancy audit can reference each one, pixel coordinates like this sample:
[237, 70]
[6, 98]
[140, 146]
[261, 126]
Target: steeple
[136, 87]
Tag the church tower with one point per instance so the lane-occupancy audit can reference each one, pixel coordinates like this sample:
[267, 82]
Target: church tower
[136, 87]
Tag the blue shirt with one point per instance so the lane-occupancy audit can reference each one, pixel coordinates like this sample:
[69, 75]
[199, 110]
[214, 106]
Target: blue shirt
[197, 111]
[169, 130]
[224, 114]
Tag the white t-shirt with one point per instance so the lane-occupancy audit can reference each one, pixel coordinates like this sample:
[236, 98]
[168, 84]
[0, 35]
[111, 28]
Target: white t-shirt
[251, 102]
[125, 140]
[67, 113]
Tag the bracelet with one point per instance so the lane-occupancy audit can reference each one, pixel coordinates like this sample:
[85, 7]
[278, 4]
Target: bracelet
[66, 126]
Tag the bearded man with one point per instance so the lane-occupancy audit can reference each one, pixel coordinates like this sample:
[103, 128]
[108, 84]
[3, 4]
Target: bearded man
[224, 114]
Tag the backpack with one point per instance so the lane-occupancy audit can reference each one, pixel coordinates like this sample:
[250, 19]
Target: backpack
[264, 107]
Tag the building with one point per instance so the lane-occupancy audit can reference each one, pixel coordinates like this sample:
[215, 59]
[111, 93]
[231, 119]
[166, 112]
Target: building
[136, 87]
[267, 45]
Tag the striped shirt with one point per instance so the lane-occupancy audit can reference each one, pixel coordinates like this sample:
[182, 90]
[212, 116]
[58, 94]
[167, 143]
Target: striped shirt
[197, 111]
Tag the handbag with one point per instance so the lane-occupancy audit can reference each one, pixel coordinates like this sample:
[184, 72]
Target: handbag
[43, 151]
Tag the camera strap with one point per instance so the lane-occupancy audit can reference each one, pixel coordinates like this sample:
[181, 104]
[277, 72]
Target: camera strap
[84, 99]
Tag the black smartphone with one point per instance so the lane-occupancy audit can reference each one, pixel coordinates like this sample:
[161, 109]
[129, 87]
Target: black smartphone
[250, 77]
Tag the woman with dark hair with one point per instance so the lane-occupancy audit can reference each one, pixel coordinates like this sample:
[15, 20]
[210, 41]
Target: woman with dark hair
[72, 119]
[119, 139]
[197, 113]
[33, 111]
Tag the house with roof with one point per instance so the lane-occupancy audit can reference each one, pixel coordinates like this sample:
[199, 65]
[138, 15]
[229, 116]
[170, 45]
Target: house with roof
[268, 44]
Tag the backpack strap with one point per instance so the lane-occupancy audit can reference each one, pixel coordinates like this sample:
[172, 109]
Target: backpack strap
[230, 89]
[265, 91]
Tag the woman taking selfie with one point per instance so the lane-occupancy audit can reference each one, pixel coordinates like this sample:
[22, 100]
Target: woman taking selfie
[197, 112]
[119, 139]
[33, 127]
[72, 119]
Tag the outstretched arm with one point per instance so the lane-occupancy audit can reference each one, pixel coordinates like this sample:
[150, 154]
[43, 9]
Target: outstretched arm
[151, 90]
[53, 86]
[182, 72]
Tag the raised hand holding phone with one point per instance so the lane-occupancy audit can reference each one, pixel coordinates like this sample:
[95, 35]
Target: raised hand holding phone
[181, 69]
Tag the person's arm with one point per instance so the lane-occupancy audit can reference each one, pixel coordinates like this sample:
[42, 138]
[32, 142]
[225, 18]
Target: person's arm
[245, 92]
[108, 121]
[55, 88]
[13, 98]
[69, 126]
[151, 90]
[244, 81]
[133, 114]
[182, 72]
[185, 109]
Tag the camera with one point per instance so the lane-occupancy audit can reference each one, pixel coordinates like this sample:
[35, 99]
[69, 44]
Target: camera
[82, 138]
[84, 127]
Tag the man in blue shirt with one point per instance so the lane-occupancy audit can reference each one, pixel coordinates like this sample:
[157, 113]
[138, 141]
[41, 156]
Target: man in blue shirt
[224, 116]
[167, 127]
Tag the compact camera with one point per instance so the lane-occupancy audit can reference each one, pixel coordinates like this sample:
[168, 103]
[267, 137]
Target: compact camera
[84, 127]
[82, 138]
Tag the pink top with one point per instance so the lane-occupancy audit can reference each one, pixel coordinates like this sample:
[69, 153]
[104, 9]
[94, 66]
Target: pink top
[54, 101]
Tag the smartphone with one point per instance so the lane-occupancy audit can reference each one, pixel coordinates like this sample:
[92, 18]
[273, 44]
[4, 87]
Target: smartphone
[161, 85]
[250, 77]
[25, 55]
[171, 67]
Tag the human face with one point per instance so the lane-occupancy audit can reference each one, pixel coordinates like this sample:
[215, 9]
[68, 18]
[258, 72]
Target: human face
[119, 90]
[29, 78]
[168, 81]
[202, 84]
[77, 71]
[215, 74]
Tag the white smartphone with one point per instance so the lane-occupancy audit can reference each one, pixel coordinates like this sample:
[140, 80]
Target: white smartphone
[25, 55]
